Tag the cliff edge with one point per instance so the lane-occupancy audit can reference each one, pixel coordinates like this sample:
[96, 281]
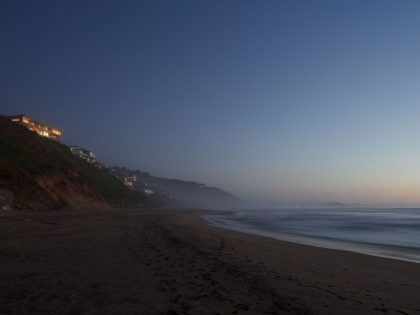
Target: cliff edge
[40, 173]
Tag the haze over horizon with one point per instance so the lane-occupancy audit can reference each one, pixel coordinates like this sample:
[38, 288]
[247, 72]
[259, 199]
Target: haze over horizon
[272, 100]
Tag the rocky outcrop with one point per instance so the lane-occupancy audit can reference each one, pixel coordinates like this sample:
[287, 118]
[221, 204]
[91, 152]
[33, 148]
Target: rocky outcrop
[6, 200]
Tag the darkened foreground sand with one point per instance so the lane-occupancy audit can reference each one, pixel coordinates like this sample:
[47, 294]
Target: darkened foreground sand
[163, 262]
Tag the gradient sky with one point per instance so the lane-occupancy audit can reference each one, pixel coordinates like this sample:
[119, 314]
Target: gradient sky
[277, 100]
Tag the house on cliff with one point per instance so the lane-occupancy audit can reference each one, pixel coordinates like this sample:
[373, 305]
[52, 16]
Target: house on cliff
[41, 128]
[84, 154]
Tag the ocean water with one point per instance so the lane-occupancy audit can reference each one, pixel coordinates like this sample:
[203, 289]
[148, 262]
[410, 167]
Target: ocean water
[392, 233]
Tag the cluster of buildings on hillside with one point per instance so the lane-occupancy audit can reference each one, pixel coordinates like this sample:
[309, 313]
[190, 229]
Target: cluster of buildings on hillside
[52, 133]
[131, 180]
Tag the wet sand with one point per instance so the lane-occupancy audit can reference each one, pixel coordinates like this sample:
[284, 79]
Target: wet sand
[166, 262]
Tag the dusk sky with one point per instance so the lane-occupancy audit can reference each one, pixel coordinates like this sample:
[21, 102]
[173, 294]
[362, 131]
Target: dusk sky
[274, 100]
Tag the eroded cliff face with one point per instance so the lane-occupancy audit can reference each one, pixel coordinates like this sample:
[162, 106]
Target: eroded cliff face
[50, 190]
[68, 192]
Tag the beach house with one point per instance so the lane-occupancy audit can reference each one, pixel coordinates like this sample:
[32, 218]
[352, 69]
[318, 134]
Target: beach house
[84, 154]
[41, 128]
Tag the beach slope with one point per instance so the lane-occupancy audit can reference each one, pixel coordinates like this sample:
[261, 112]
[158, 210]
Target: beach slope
[164, 262]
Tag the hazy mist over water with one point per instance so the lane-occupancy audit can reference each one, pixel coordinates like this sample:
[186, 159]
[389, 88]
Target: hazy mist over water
[392, 233]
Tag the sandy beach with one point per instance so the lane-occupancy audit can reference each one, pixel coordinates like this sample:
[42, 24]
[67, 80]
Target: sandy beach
[171, 262]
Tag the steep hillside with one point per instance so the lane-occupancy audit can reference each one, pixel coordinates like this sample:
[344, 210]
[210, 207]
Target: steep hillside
[187, 193]
[43, 174]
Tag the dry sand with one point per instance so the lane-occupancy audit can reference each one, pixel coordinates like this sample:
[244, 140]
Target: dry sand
[164, 262]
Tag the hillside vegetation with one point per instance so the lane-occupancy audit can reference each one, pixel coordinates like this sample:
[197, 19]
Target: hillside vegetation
[44, 174]
[186, 193]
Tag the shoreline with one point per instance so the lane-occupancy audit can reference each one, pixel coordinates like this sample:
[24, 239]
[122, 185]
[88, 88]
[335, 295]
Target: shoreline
[370, 249]
[172, 262]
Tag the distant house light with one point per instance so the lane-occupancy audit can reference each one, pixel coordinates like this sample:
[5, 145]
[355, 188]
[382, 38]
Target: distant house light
[84, 154]
[130, 181]
[148, 192]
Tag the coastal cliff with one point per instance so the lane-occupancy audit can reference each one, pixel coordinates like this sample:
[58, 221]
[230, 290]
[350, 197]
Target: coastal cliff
[187, 194]
[40, 173]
